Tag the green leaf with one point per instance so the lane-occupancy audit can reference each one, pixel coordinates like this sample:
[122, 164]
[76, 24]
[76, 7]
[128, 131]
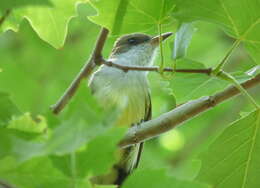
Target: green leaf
[126, 16]
[38, 172]
[82, 121]
[182, 40]
[7, 4]
[95, 160]
[91, 160]
[158, 179]
[191, 86]
[27, 124]
[237, 162]
[50, 23]
[20, 145]
[239, 18]
[7, 109]
[67, 137]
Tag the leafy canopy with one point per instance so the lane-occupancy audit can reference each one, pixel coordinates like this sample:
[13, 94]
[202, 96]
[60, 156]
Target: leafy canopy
[38, 149]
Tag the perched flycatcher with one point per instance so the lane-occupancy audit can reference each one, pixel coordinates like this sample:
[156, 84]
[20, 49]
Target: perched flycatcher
[129, 91]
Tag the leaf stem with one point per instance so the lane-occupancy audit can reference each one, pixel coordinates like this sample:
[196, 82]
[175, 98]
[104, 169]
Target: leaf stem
[224, 60]
[228, 77]
[161, 48]
[73, 166]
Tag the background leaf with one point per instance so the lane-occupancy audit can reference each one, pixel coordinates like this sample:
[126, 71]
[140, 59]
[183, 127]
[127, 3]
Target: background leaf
[32, 174]
[6, 4]
[145, 178]
[7, 109]
[91, 160]
[36, 74]
[182, 40]
[242, 25]
[50, 23]
[191, 86]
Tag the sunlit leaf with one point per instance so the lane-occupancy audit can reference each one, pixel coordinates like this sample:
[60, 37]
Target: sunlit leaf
[126, 16]
[27, 124]
[50, 23]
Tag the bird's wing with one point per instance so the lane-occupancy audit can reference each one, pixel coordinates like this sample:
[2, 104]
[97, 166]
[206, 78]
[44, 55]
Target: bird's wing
[148, 116]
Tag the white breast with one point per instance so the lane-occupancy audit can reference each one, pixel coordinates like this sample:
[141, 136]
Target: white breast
[128, 91]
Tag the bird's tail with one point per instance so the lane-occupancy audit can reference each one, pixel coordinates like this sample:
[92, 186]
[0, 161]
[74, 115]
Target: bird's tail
[129, 160]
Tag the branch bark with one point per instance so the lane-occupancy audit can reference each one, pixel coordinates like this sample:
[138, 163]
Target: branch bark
[87, 69]
[177, 116]
[4, 185]
[5, 15]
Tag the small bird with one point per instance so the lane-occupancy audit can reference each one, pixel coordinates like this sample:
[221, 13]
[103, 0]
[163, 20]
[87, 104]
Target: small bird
[129, 92]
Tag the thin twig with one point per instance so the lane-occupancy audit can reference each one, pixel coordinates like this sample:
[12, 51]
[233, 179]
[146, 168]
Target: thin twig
[84, 73]
[5, 15]
[4, 185]
[154, 68]
[177, 116]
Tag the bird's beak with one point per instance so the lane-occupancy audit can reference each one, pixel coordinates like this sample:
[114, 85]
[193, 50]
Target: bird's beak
[156, 40]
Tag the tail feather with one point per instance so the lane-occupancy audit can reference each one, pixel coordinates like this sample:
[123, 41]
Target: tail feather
[124, 169]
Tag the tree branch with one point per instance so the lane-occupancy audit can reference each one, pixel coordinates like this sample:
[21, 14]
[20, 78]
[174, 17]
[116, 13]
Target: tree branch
[4, 185]
[5, 15]
[177, 116]
[154, 68]
[87, 69]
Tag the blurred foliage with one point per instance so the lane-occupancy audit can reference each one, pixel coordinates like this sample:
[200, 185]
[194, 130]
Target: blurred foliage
[38, 149]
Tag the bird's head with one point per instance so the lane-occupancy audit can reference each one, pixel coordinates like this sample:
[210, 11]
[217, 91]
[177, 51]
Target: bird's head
[137, 46]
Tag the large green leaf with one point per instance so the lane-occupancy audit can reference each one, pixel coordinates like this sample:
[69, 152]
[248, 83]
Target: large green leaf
[38, 172]
[125, 16]
[239, 18]
[158, 179]
[92, 160]
[50, 23]
[232, 160]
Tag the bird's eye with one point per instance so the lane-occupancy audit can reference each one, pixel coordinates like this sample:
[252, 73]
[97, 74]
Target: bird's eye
[132, 41]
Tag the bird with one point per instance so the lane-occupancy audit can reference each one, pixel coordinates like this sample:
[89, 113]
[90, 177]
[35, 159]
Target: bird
[129, 92]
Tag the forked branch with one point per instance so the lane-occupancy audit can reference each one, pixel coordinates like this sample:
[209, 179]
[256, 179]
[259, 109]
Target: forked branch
[84, 72]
